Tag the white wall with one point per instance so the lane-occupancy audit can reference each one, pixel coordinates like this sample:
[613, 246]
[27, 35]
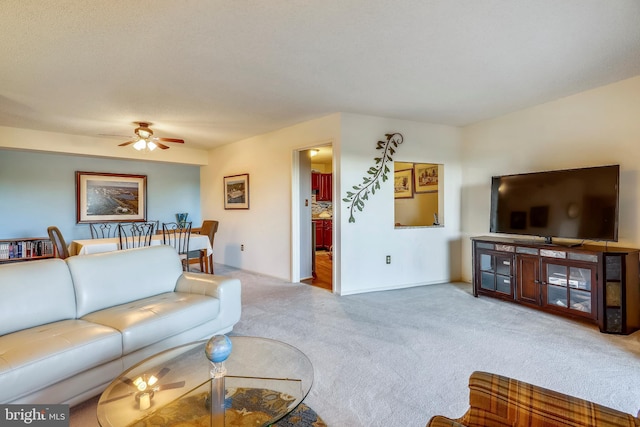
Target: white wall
[596, 127]
[264, 229]
[418, 255]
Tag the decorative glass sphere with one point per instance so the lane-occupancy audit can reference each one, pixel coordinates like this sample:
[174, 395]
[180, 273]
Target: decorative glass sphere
[218, 348]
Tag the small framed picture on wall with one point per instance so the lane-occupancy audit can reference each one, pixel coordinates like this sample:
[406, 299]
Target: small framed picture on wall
[426, 177]
[403, 184]
[236, 191]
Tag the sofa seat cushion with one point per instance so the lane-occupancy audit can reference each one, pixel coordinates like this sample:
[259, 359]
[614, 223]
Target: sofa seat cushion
[149, 320]
[35, 358]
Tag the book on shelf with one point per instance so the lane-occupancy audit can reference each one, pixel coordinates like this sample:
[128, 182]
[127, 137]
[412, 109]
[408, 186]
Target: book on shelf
[25, 249]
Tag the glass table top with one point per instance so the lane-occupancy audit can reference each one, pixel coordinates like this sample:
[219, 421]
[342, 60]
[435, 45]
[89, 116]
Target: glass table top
[270, 376]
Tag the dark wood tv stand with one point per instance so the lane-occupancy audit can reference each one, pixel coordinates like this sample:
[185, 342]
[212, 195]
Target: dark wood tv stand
[594, 283]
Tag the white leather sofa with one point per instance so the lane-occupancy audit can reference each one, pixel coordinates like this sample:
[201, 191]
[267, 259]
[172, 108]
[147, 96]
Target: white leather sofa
[68, 328]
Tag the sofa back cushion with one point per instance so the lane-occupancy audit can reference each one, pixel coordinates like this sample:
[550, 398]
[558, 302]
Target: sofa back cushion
[33, 293]
[113, 278]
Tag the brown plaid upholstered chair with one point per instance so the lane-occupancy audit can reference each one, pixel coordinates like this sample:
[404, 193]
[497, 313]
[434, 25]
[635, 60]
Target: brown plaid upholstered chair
[497, 401]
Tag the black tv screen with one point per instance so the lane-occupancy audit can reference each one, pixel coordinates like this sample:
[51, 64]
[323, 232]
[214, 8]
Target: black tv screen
[572, 203]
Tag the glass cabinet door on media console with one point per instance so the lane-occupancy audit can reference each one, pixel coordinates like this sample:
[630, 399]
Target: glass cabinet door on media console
[570, 287]
[495, 272]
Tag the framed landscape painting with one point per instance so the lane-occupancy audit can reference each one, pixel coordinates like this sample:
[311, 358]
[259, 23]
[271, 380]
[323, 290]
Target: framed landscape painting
[110, 197]
[403, 184]
[426, 177]
[236, 191]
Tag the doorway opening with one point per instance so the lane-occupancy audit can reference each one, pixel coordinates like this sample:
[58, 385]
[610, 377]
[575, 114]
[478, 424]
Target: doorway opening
[316, 180]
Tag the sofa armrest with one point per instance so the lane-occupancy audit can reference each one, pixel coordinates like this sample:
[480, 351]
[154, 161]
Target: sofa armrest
[226, 289]
[499, 400]
[207, 284]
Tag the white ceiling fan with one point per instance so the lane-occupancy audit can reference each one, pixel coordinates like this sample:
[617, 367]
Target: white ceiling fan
[144, 139]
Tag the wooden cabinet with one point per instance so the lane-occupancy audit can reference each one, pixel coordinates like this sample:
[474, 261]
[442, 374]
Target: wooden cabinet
[568, 286]
[323, 230]
[327, 229]
[595, 283]
[495, 273]
[25, 249]
[325, 192]
[528, 281]
[322, 185]
[317, 226]
[315, 181]
[620, 311]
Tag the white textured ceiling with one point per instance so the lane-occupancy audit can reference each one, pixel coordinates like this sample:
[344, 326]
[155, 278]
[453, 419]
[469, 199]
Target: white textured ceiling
[214, 72]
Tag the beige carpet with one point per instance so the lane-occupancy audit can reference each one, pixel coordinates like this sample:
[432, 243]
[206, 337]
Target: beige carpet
[396, 358]
[84, 414]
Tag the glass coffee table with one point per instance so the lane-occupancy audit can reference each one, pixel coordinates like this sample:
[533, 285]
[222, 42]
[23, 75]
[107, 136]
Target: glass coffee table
[266, 380]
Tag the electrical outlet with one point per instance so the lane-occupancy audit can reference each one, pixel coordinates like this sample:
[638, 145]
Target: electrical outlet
[388, 259]
[241, 248]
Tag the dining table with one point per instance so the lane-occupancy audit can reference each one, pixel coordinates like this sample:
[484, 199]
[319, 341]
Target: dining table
[94, 246]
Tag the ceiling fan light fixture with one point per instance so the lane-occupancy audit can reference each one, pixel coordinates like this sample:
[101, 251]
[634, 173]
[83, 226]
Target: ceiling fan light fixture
[143, 130]
[145, 141]
[141, 144]
[144, 133]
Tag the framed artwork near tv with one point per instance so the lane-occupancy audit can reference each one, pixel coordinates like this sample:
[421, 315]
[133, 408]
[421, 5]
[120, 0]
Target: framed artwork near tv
[110, 197]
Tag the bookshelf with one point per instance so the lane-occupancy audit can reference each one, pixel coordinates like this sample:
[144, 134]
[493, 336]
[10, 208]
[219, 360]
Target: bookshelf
[25, 249]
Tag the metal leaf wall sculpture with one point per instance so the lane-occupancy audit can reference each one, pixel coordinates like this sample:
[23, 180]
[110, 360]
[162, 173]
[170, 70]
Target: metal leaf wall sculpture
[371, 182]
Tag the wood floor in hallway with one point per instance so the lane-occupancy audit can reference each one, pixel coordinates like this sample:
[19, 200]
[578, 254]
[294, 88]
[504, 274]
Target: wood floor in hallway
[324, 268]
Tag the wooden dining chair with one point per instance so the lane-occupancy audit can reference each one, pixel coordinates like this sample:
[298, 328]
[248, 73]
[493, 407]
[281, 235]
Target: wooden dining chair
[60, 246]
[208, 229]
[104, 230]
[135, 234]
[177, 235]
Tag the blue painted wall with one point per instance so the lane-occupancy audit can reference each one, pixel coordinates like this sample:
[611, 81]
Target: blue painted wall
[38, 190]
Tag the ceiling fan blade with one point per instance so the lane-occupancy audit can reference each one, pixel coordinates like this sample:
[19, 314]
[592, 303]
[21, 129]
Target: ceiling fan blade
[162, 146]
[169, 386]
[177, 141]
[127, 381]
[125, 143]
[162, 372]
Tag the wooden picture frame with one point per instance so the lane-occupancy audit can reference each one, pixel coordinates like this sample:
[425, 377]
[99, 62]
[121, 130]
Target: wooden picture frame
[426, 177]
[110, 197]
[236, 191]
[403, 184]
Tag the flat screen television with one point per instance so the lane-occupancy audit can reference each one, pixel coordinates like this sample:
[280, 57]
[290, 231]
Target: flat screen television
[572, 203]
